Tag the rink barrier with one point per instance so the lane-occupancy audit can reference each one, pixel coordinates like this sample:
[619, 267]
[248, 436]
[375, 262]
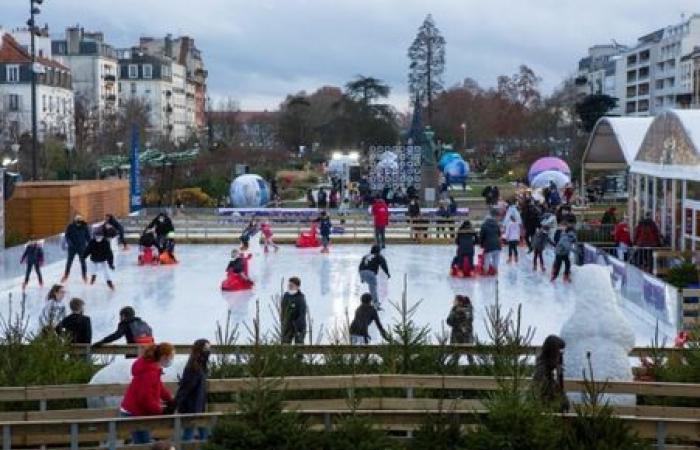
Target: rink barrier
[403, 409]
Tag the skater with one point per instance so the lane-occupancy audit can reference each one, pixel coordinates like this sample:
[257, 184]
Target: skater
[293, 310]
[162, 225]
[369, 269]
[490, 240]
[248, 232]
[132, 328]
[365, 314]
[414, 219]
[167, 256]
[146, 243]
[512, 237]
[322, 199]
[113, 228]
[101, 257]
[564, 244]
[461, 321]
[531, 220]
[539, 242]
[266, 230]
[463, 264]
[77, 236]
[623, 240]
[146, 393]
[33, 257]
[54, 309]
[191, 397]
[380, 213]
[548, 380]
[325, 227]
[76, 325]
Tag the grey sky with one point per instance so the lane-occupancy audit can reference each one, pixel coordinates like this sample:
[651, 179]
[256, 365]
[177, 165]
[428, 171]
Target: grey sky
[257, 51]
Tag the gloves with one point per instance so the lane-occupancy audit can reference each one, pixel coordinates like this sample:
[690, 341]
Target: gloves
[170, 408]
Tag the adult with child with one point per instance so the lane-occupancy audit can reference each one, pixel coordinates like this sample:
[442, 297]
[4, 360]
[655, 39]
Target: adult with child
[146, 394]
[365, 314]
[191, 397]
[76, 238]
[293, 311]
[76, 325]
[369, 269]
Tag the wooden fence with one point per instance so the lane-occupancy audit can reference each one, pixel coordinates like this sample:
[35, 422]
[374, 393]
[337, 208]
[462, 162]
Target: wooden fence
[394, 402]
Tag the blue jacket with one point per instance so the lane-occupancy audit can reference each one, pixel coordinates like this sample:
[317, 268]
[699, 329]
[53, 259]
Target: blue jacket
[490, 235]
[325, 227]
[77, 236]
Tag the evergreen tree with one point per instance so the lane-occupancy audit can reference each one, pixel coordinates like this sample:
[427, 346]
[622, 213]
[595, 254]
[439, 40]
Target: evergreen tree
[427, 64]
[592, 108]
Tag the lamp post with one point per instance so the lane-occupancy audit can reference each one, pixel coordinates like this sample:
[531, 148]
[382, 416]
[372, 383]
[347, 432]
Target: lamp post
[33, 11]
[464, 135]
[69, 157]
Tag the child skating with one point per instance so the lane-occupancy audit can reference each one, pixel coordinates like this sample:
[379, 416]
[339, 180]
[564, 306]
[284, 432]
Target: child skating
[101, 258]
[266, 230]
[248, 232]
[512, 236]
[325, 227]
[564, 244]
[33, 257]
[539, 242]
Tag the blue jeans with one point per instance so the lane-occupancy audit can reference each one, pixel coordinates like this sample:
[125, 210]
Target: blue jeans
[370, 278]
[138, 436]
[188, 433]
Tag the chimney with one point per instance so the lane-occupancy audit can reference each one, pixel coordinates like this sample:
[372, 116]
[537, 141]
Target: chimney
[168, 50]
[73, 40]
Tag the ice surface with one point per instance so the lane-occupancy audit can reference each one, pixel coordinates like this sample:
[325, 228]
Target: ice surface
[184, 302]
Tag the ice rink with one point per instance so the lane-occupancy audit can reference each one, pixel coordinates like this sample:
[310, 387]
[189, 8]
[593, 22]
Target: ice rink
[184, 302]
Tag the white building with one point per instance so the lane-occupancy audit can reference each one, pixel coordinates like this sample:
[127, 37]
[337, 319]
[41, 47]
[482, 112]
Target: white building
[94, 67]
[54, 94]
[160, 84]
[650, 77]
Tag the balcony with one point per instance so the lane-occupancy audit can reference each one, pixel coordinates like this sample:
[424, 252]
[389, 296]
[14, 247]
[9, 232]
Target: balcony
[111, 98]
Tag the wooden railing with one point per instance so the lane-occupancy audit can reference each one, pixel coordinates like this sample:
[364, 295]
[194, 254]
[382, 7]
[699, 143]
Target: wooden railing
[395, 402]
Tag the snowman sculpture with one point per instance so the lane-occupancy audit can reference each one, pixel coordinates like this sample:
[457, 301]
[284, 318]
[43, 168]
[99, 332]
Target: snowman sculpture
[599, 328]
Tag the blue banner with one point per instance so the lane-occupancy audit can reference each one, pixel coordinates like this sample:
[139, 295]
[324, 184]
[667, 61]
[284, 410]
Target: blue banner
[135, 185]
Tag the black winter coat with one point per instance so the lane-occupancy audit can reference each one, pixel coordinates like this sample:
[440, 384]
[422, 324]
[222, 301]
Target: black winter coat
[465, 243]
[78, 327]
[100, 252]
[294, 312]
[364, 316]
[461, 320]
[191, 397]
[490, 235]
[162, 228]
[77, 236]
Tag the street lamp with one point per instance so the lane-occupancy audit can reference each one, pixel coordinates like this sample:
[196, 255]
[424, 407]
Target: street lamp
[33, 11]
[464, 135]
[69, 157]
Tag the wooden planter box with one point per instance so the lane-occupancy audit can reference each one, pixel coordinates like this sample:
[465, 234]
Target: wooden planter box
[44, 208]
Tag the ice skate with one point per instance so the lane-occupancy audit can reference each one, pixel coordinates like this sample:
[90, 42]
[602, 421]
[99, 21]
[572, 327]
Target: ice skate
[110, 284]
[92, 279]
[567, 278]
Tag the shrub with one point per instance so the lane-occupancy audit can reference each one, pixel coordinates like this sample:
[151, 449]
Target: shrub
[195, 197]
[683, 275]
[357, 433]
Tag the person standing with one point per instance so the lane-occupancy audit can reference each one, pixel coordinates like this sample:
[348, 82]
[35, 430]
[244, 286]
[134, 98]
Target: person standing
[461, 321]
[647, 236]
[539, 242]
[490, 239]
[414, 219]
[380, 214]
[54, 309]
[325, 227]
[531, 221]
[548, 379]
[77, 236]
[369, 269]
[146, 394]
[101, 257]
[322, 198]
[293, 310]
[512, 236]
[33, 257]
[76, 325]
[564, 244]
[609, 217]
[487, 193]
[191, 396]
[365, 314]
[623, 240]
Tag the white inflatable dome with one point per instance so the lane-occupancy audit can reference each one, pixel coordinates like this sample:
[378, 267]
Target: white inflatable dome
[249, 191]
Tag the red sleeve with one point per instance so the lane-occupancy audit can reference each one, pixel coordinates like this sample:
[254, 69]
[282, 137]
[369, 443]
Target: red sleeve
[152, 393]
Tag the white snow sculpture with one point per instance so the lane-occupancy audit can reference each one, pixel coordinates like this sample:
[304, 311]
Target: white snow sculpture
[388, 161]
[597, 326]
[119, 372]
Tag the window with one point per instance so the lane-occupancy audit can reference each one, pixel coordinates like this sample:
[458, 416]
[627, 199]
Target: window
[165, 71]
[13, 73]
[50, 103]
[133, 88]
[43, 103]
[147, 71]
[13, 102]
[133, 71]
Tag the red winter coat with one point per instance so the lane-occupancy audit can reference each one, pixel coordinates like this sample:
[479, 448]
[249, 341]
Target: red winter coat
[621, 234]
[647, 234]
[146, 393]
[380, 211]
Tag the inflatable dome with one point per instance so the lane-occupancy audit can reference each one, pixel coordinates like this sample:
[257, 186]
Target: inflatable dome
[249, 191]
[548, 163]
[457, 169]
[446, 158]
[545, 178]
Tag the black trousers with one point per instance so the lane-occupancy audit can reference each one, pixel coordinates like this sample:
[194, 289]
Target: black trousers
[72, 253]
[290, 334]
[513, 248]
[36, 268]
[537, 258]
[558, 260]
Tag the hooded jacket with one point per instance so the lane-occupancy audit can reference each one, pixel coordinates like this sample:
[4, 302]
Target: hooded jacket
[373, 262]
[146, 392]
[490, 235]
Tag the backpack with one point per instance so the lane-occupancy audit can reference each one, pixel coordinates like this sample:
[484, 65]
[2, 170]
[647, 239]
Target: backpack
[142, 332]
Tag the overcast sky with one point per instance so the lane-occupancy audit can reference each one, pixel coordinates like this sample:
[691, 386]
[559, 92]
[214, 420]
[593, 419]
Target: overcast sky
[257, 51]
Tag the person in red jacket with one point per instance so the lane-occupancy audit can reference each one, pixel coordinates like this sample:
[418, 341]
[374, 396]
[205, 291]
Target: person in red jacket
[380, 212]
[146, 394]
[646, 235]
[623, 240]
